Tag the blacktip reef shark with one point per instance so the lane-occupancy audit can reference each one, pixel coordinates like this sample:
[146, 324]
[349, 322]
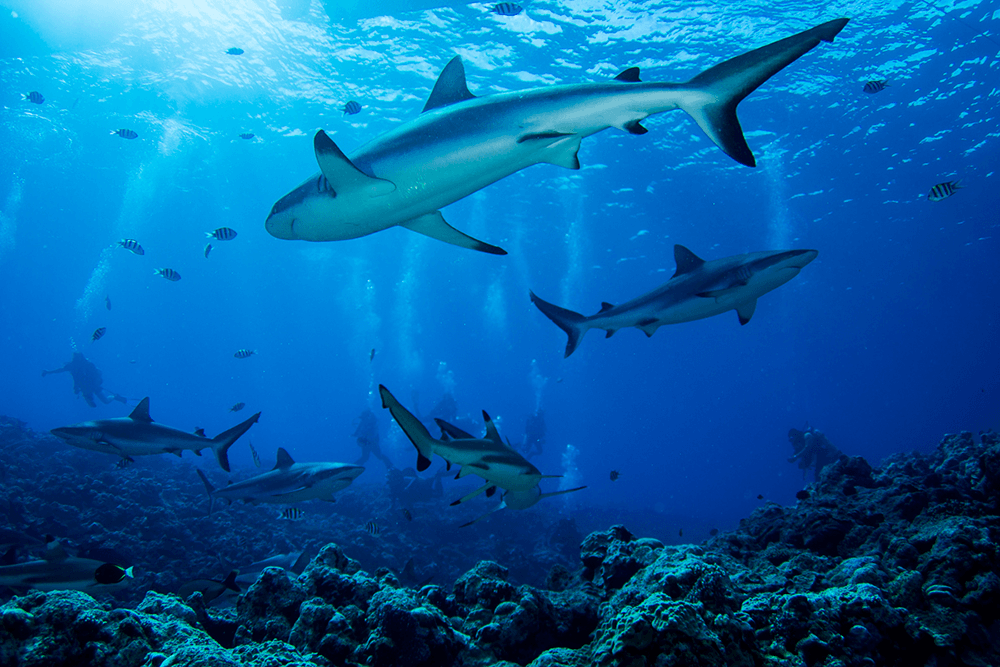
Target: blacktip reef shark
[288, 482]
[60, 571]
[698, 289]
[499, 464]
[461, 143]
[139, 435]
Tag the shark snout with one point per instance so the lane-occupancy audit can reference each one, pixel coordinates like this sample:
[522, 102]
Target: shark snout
[74, 433]
[799, 258]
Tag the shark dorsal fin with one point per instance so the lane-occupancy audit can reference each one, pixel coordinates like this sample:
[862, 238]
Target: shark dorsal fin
[606, 306]
[230, 582]
[686, 260]
[342, 174]
[284, 460]
[199, 432]
[141, 412]
[630, 75]
[450, 86]
[491, 430]
[54, 551]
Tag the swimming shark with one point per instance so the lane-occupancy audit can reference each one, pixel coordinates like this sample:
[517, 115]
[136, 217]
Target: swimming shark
[57, 570]
[288, 482]
[461, 143]
[698, 289]
[139, 435]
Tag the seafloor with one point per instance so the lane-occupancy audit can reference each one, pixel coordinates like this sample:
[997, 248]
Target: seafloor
[889, 566]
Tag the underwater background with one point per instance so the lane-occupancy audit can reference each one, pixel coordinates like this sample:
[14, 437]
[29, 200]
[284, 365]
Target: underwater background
[885, 342]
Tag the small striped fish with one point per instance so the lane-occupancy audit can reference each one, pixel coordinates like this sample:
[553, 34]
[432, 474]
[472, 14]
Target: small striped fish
[244, 353]
[132, 245]
[406, 513]
[98, 333]
[507, 9]
[208, 249]
[169, 274]
[944, 190]
[234, 51]
[107, 302]
[125, 462]
[35, 97]
[876, 86]
[351, 108]
[253, 453]
[615, 475]
[125, 134]
[238, 406]
[292, 514]
[222, 234]
[247, 135]
[372, 527]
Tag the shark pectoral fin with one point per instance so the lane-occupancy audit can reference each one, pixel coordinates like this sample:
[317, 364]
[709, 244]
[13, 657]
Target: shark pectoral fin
[746, 310]
[434, 226]
[472, 495]
[610, 332]
[341, 173]
[633, 127]
[717, 293]
[480, 518]
[648, 326]
[564, 152]
[197, 452]
[178, 452]
[450, 88]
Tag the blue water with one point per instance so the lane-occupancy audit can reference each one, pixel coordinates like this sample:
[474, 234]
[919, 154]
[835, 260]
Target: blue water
[885, 342]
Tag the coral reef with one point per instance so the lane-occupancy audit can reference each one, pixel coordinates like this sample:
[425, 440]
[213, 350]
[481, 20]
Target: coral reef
[895, 565]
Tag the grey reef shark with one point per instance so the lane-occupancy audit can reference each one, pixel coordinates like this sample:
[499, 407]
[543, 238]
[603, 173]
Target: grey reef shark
[57, 570]
[461, 143]
[288, 482]
[139, 435]
[698, 289]
[497, 463]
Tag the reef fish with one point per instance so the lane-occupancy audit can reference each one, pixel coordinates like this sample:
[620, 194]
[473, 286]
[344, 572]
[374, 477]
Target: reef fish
[244, 353]
[698, 289]
[169, 274]
[288, 482]
[507, 9]
[132, 246]
[139, 435]
[351, 108]
[234, 51]
[292, 514]
[254, 455]
[35, 97]
[125, 133]
[372, 527]
[237, 406]
[944, 190]
[98, 333]
[615, 475]
[222, 234]
[208, 249]
[246, 135]
[875, 86]
[462, 143]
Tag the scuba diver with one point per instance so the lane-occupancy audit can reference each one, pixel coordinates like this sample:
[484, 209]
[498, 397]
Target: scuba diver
[87, 380]
[367, 436]
[811, 449]
[534, 434]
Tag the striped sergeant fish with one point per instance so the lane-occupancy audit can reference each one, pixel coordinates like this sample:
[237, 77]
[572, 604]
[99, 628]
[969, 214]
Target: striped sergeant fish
[944, 190]
[125, 133]
[98, 333]
[247, 135]
[169, 274]
[372, 527]
[35, 97]
[208, 249]
[238, 406]
[292, 514]
[222, 234]
[351, 108]
[876, 86]
[234, 51]
[124, 462]
[132, 245]
[507, 9]
[253, 453]
[244, 353]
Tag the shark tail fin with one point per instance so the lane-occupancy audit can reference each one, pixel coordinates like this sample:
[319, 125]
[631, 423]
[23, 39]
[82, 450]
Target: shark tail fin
[412, 427]
[717, 90]
[209, 489]
[222, 442]
[572, 323]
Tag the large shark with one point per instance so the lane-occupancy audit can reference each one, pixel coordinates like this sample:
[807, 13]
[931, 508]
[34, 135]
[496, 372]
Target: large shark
[288, 482]
[462, 143]
[139, 435]
[498, 463]
[698, 289]
[60, 571]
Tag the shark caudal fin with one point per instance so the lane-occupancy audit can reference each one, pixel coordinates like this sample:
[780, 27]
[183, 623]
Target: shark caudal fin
[567, 320]
[412, 427]
[717, 91]
[209, 489]
[222, 442]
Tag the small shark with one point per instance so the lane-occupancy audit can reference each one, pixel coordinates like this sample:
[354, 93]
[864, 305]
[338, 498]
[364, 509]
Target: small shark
[138, 435]
[60, 571]
[462, 143]
[698, 289]
[294, 563]
[288, 482]
[210, 589]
